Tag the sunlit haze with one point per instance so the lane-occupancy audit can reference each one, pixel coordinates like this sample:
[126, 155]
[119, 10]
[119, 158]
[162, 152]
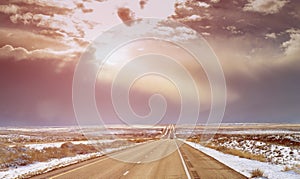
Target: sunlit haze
[256, 42]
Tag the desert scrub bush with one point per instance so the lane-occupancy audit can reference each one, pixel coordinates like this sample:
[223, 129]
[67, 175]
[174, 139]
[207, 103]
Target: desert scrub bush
[257, 173]
[287, 168]
[20, 155]
[69, 148]
[140, 140]
[242, 154]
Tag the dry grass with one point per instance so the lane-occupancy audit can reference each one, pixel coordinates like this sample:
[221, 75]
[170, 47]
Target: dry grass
[295, 168]
[239, 153]
[20, 155]
[276, 139]
[286, 168]
[257, 173]
[140, 140]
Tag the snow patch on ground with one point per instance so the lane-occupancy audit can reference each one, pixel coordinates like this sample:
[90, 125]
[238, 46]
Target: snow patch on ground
[42, 167]
[276, 154]
[236, 131]
[58, 144]
[245, 166]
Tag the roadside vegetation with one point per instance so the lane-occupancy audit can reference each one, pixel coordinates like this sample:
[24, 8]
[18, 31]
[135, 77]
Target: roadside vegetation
[279, 149]
[12, 157]
[141, 140]
[257, 173]
[19, 155]
[239, 153]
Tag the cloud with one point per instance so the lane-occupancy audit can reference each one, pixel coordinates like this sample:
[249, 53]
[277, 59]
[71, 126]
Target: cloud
[9, 9]
[265, 6]
[214, 1]
[180, 33]
[31, 86]
[193, 17]
[20, 53]
[61, 59]
[61, 4]
[60, 20]
[261, 64]
[56, 22]
[292, 46]
[270, 36]
[126, 15]
[203, 4]
[29, 40]
[233, 29]
[143, 3]
[83, 8]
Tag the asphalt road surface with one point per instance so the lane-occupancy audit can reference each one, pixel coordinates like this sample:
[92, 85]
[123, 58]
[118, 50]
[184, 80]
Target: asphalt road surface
[165, 158]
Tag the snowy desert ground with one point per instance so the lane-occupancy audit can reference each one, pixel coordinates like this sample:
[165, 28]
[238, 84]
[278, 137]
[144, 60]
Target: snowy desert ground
[273, 149]
[33, 150]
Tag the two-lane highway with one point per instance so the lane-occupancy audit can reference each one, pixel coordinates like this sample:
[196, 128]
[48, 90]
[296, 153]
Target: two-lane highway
[159, 159]
[164, 158]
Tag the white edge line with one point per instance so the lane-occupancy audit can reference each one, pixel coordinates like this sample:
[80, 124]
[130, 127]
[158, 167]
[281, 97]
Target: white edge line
[183, 163]
[105, 157]
[212, 156]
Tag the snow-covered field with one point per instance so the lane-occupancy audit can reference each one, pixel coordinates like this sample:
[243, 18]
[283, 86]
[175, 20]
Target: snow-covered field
[246, 166]
[276, 154]
[279, 146]
[272, 148]
[58, 144]
[42, 167]
[28, 151]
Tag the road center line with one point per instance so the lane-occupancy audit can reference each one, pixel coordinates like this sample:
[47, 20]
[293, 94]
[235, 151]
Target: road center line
[183, 163]
[105, 157]
[126, 172]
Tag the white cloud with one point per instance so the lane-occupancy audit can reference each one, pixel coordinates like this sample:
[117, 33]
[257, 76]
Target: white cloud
[26, 18]
[9, 9]
[177, 34]
[233, 29]
[70, 4]
[214, 1]
[205, 33]
[265, 6]
[194, 18]
[292, 46]
[270, 36]
[56, 22]
[20, 53]
[30, 40]
[203, 4]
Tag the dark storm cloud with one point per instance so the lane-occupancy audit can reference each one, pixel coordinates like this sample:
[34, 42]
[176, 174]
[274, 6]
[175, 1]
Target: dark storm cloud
[265, 6]
[52, 19]
[218, 17]
[258, 44]
[36, 63]
[34, 93]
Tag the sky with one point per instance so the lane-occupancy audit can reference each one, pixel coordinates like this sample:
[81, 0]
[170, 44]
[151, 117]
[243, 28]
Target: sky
[257, 43]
